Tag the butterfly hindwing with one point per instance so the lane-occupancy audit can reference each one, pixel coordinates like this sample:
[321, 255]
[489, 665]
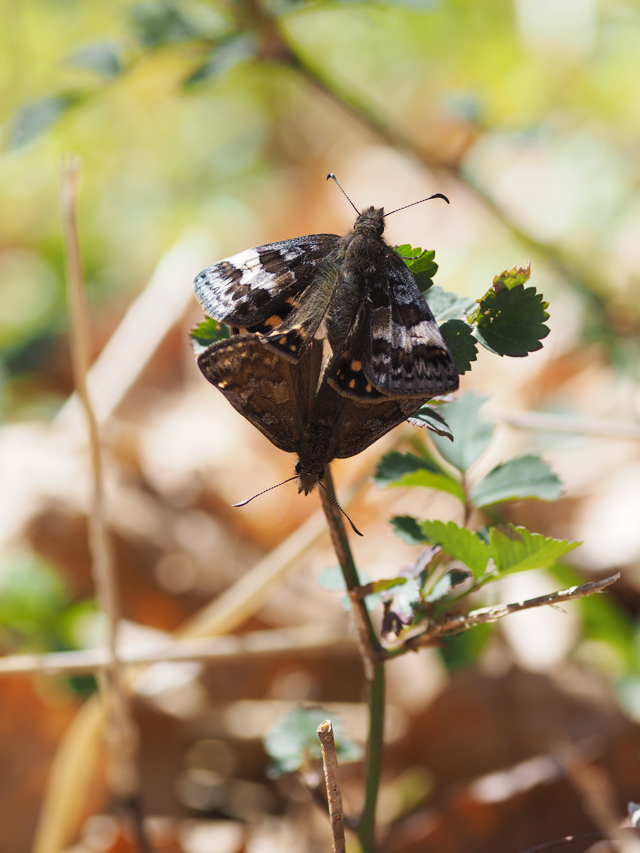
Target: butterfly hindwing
[405, 353]
[274, 394]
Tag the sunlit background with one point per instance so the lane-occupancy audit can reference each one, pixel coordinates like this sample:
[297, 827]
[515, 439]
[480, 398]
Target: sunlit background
[204, 128]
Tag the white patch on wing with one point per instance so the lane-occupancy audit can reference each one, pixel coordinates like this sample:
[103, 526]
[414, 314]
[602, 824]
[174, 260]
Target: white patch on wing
[405, 338]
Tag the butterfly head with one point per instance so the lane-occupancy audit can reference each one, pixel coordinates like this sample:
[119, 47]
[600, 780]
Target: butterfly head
[308, 477]
[371, 220]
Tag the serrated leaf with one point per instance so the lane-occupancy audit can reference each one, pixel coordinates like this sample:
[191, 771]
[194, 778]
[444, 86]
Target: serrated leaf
[104, 58]
[294, 740]
[516, 549]
[394, 465]
[513, 277]
[446, 583]
[207, 333]
[523, 477]
[407, 528]
[446, 305]
[421, 263]
[226, 53]
[459, 543]
[406, 469]
[459, 337]
[431, 418]
[32, 120]
[510, 319]
[471, 432]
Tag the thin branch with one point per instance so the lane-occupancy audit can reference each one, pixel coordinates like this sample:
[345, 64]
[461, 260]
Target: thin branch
[120, 730]
[332, 781]
[567, 423]
[251, 644]
[567, 841]
[454, 624]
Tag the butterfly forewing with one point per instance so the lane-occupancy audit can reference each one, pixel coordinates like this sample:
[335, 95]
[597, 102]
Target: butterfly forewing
[260, 285]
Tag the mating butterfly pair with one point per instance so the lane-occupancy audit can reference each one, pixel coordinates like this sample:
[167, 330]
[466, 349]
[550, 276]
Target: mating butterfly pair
[334, 344]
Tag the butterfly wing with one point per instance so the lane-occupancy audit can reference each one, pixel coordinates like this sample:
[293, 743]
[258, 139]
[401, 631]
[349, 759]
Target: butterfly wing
[262, 285]
[271, 392]
[394, 348]
[345, 426]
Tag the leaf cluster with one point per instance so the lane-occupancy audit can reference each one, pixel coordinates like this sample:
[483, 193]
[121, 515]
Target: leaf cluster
[458, 560]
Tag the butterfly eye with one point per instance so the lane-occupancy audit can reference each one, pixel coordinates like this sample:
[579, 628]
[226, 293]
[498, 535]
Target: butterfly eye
[380, 227]
[298, 467]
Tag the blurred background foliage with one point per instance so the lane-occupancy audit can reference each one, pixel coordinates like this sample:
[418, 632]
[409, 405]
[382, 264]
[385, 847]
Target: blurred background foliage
[217, 122]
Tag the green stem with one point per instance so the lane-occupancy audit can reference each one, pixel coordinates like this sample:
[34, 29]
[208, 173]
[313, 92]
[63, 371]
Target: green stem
[372, 653]
[375, 747]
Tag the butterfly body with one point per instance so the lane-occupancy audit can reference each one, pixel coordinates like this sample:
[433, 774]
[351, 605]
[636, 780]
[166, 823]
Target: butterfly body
[354, 293]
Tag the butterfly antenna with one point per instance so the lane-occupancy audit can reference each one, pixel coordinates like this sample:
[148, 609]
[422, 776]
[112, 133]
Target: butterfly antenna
[322, 485]
[435, 195]
[264, 491]
[331, 175]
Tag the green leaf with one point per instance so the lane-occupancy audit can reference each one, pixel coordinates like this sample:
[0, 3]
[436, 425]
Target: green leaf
[513, 277]
[459, 543]
[431, 418]
[510, 318]
[406, 469]
[394, 465]
[462, 650]
[293, 741]
[522, 477]
[448, 306]
[207, 333]
[227, 52]
[32, 120]
[459, 337]
[516, 549]
[161, 22]
[104, 58]
[446, 583]
[421, 263]
[407, 528]
[471, 432]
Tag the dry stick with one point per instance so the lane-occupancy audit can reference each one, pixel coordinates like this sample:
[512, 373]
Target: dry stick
[332, 781]
[452, 624]
[120, 730]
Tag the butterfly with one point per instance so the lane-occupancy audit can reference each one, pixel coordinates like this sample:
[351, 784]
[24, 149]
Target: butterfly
[292, 405]
[355, 293]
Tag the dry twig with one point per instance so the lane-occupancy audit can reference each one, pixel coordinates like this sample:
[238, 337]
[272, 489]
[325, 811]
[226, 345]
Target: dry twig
[332, 780]
[454, 624]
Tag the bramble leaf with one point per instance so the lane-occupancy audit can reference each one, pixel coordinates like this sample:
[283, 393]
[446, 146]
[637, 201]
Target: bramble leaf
[459, 337]
[471, 432]
[446, 305]
[406, 469]
[459, 543]
[516, 549]
[421, 263]
[523, 477]
[207, 333]
[431, 418]
[510, 318]
[407, 528]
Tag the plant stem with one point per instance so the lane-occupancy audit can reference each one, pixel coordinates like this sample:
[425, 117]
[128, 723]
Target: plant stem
[372, 656]
[375, 746]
